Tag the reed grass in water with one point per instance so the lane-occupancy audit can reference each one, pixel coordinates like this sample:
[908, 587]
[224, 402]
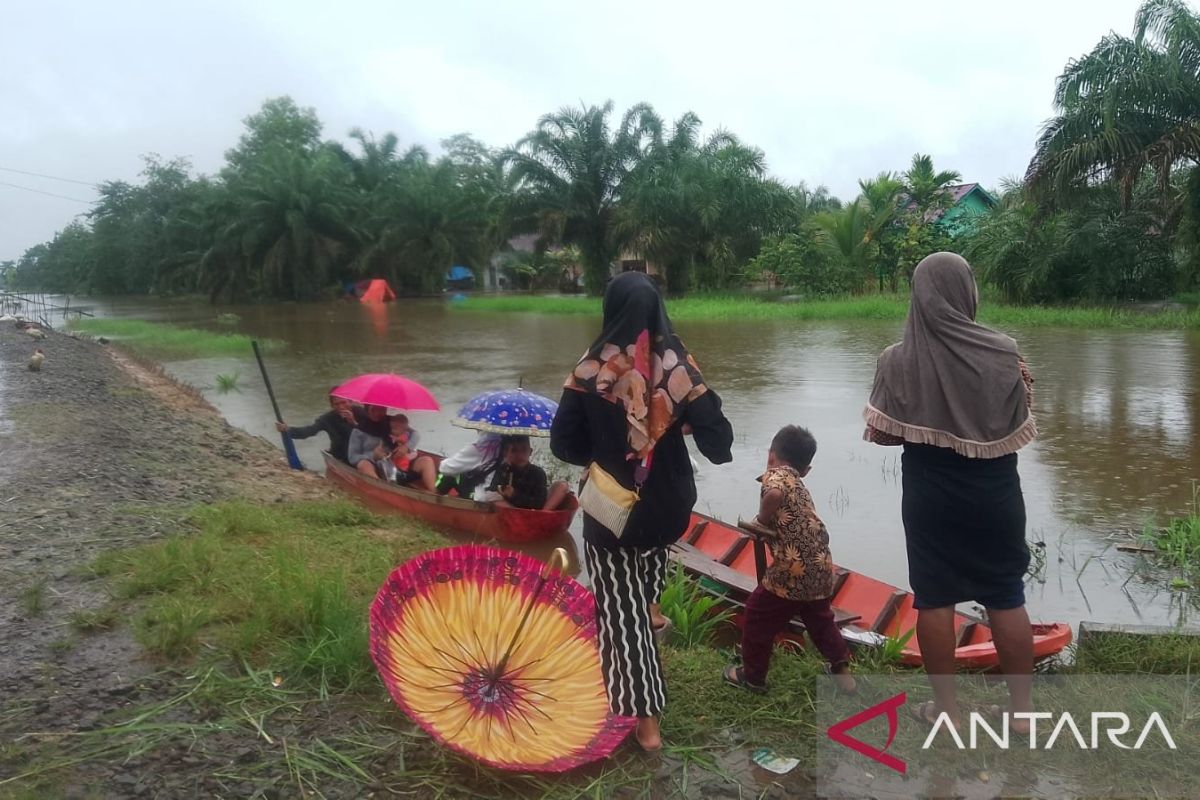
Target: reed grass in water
[1177, 544]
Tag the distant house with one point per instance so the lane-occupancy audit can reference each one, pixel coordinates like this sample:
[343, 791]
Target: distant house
[967, 201]
[494, 274]
[633, 261]
[499, 275]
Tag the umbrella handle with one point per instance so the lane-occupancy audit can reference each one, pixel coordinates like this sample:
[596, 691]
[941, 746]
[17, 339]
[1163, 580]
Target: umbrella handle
[560, 556]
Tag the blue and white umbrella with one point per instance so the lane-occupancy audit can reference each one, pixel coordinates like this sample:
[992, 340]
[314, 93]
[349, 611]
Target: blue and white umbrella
[514, 412]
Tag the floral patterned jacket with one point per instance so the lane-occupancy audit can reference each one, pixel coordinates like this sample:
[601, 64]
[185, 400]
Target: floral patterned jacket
[803, 565]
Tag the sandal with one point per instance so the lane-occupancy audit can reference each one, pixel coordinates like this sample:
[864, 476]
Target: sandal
[736, 676]
[925, 712]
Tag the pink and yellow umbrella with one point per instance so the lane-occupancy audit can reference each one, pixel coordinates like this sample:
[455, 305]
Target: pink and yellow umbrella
[494, 655]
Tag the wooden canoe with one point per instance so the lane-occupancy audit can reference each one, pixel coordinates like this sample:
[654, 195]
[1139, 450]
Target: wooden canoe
[868, 611]
[461, 514]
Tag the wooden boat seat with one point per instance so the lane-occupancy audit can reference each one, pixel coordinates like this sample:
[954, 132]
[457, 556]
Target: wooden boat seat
[693, 560]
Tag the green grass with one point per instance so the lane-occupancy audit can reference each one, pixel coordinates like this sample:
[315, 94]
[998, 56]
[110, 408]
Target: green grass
[891, 307]
[703, 707]
[258, 613]
[1135, 654]
[33, 599]
[169, 341]
[92, 620]
[281, 586]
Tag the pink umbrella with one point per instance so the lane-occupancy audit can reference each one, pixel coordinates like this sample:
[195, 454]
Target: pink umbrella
[387, 389]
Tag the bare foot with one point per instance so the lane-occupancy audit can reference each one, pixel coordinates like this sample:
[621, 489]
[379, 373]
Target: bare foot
[657, 619]
[1019, 726]
[648, 734]
[844, 680]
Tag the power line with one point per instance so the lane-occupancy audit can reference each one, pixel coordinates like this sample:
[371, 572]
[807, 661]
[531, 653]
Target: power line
[50, 177]
[48, 194]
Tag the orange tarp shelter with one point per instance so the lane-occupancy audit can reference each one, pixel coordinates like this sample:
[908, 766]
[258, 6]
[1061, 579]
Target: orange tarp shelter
[377, 291]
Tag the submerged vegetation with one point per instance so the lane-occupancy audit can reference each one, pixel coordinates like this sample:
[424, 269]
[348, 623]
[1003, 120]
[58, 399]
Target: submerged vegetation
[1109, 208]
[228, 382]
[169, 341]
[1177, 544]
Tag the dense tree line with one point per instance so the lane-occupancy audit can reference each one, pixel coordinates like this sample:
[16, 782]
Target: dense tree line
[1110, 205]
[1109, 208]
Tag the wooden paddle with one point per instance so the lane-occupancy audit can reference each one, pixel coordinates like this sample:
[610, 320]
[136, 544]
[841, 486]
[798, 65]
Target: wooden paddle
[289, 447]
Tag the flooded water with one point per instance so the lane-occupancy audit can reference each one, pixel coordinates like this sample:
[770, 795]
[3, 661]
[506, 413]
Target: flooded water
[1118, 413]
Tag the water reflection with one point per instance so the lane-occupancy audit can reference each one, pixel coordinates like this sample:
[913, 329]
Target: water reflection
[1117, 410]
[1117, 417]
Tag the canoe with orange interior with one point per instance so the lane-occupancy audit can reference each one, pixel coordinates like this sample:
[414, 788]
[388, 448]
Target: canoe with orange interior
[868, 611]
[458, 513]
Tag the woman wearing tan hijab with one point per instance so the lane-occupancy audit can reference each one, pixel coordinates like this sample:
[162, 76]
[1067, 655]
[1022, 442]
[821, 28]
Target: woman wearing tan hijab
[958, 397]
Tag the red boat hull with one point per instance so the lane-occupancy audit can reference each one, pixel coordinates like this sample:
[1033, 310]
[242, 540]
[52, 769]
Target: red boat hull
[514, 525]
[868, 611]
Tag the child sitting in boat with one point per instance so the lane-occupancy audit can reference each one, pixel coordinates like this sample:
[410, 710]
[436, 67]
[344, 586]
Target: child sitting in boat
[522, 484]
[799, 582]
[393, 457]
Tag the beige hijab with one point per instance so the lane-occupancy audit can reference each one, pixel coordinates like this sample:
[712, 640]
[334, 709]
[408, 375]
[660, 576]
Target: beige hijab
[951, 382]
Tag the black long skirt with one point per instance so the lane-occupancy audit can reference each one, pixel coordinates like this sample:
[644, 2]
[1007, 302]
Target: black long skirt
[964, 527]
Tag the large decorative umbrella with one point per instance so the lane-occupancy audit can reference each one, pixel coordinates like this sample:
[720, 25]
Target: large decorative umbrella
[387, 389]
[508, 411]
[494, 655]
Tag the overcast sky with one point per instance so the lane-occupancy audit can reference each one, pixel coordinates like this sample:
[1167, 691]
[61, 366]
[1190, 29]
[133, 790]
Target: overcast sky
[830, 91]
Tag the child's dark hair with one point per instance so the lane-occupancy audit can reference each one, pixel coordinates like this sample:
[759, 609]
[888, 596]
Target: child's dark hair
[507, 442]
[398, 418]
[794, 446]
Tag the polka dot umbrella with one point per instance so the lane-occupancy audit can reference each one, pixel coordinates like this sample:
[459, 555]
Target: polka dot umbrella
[494, 655]
[515, 412]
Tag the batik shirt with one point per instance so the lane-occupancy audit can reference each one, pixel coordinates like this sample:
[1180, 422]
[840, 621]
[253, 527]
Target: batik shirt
[803, 566]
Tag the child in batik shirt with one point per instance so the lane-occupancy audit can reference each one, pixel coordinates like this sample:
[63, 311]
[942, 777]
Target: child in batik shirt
[799, 581]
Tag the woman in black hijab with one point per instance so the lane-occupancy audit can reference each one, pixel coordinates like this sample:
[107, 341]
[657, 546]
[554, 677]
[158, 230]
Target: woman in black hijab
[626, 406]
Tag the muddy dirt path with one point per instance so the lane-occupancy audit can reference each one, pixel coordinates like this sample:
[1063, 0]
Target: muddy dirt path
[95, 450]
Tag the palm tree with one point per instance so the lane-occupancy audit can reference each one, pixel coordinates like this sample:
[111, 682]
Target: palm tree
[378, 161]
[291, 227]
[701, 209]
[1129, 105]
[433, 215]
[881, 198]
[569, 174]
[926, 188]
[813, 201]
[845, 234]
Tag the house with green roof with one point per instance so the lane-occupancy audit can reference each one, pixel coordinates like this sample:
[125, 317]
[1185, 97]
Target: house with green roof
[967, 202]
